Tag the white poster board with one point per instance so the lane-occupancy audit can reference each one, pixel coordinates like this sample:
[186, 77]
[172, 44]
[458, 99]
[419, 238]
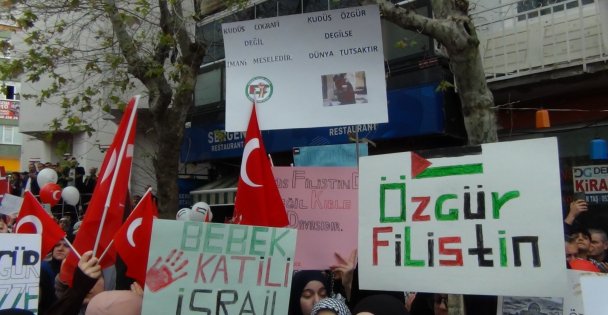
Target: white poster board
[594, 294]
[306, 70]
[196, 268]
[483, 221]
[19, 271]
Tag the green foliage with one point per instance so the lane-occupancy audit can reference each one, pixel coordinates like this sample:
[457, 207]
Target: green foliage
[443, 86]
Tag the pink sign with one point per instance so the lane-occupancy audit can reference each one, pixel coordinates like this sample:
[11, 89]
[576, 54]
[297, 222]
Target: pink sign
[322, 204]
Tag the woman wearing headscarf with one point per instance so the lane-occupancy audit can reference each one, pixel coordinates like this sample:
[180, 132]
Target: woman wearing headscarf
[330, 306]
[307, 288]
[380, 304]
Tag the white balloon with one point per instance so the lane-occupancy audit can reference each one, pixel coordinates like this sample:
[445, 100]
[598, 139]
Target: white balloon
[201, 212]
[183, 214]
[47, 175]
[70, 195]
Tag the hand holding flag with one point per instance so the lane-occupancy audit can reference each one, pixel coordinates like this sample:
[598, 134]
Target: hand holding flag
[132, 240]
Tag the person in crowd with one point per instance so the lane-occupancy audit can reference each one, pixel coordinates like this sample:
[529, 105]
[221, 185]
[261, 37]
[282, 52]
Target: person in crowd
[582, 239]
[440, 304]
[16, 184]
[571, 251]
[89, 185]
[573, 260]
[124, 302]
[49, 269]
[598, 246]
[3, 224]
[330, 306]
[87, 283]
[90, 180]
[380, 304]
[307, 288]
[31, 182]
[577, 207]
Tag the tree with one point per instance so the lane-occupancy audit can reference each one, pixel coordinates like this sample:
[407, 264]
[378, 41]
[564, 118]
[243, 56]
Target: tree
[454, 30]
[95, 54]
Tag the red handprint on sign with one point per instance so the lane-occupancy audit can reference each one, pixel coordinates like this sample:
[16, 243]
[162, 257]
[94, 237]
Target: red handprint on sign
[160, 275]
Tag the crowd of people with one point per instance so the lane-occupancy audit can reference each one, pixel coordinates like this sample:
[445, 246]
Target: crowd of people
[586, 246]
[313, 292]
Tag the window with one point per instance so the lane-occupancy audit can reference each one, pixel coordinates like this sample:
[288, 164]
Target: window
[10, 135]
[10, 92]
[209, 86]
[533, 7]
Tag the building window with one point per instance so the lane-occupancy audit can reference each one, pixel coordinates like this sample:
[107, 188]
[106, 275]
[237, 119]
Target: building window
[534, 8]
[10, 135]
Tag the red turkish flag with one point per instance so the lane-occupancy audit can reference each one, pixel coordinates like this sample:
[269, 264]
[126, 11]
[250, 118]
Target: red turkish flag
[32, 219]
[106, 208]
[4, 184]
[132, 241]
[258, 200]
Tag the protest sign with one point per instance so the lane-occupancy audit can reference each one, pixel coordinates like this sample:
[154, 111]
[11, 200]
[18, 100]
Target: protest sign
[196, 267]
[10, 204]
[594, 294]
[332, 75]
[19, 271]
[321, 202]
[476, 220]
[592, 180]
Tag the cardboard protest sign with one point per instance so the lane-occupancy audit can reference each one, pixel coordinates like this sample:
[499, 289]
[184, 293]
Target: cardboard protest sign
[19, 271]
[594, 294]
[196, 267]
[477, 220]
[592, 180]
[10, 204]
[321, 202]
[332, 75]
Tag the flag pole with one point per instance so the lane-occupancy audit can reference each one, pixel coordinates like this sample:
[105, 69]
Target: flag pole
[123, 147]
[72, 247]
[149, 191]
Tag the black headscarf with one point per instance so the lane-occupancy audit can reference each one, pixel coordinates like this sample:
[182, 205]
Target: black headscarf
[299, 280]
[381, 304]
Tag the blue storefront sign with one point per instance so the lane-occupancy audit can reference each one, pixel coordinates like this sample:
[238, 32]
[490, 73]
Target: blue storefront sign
[413, 111]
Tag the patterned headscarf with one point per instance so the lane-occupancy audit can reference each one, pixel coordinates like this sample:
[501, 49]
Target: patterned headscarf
[331, 304]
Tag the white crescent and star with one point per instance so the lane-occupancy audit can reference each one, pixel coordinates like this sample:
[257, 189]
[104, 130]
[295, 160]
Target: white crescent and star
[249, 147]
[55, 196]
[30, 219]
[131, 230]
[110, 166]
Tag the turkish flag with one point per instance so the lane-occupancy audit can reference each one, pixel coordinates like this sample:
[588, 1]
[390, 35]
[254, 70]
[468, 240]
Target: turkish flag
[258, 200]
[132, 240]
[32, 219]
[106, 208]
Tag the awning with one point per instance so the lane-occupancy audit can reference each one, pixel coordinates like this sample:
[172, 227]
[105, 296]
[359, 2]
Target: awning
[218, 193]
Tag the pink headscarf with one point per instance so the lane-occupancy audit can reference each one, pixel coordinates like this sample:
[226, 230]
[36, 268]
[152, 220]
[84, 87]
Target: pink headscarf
[122, 302]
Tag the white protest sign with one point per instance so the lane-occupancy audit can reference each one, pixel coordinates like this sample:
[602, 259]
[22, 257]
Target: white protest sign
[10, 204]
[594, 295]
[486, 220]
[196, 267]
[19, 271]
[591, 180]
[306, 70]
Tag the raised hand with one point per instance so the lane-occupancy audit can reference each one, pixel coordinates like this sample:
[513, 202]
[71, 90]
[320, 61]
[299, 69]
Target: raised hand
[163, 272]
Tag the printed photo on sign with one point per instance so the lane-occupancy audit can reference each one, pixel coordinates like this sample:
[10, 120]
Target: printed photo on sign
[512, 305]
[344, 88]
